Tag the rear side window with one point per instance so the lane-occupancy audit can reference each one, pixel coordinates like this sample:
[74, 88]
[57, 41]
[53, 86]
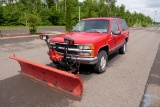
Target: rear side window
[123, 24]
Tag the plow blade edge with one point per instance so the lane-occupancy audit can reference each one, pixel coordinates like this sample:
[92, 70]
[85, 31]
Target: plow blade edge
[59, 80]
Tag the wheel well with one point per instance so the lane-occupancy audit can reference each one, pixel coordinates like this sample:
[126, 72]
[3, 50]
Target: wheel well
[105, 48]
[126, 39]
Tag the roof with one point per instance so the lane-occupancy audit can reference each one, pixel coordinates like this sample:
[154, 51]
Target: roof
[100, 18]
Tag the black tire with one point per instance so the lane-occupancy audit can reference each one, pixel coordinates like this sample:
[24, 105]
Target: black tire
[122, 50]
[100, 67]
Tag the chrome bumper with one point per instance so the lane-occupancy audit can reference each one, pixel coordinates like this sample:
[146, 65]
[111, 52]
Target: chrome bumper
[89, 61]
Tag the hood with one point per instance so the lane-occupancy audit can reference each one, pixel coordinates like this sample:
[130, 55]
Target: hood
[81, 37]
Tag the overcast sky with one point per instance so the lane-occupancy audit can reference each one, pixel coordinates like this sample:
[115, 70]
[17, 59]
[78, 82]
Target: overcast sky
[147, 7]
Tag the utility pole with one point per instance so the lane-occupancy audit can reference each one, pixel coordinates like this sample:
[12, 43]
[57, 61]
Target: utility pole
[25, 18]
[79, 13]
[56, 5]
[155, 17]
[65, 7]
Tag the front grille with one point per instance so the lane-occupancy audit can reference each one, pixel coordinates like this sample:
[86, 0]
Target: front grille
[63, 45]
[69, 52]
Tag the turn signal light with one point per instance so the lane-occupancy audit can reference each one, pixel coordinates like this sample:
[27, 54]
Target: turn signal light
[44, 37]
[92, 47]
[92, 54]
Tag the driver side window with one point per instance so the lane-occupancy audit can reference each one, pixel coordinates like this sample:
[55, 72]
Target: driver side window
[114, 26]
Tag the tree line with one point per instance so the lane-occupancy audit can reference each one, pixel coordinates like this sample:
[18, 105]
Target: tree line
[63, 12]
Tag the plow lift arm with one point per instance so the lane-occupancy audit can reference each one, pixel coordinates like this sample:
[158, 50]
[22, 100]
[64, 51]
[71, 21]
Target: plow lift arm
[61, 80]
[62, 62]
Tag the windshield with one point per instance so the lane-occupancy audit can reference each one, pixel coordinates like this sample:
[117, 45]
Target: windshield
[92, 26]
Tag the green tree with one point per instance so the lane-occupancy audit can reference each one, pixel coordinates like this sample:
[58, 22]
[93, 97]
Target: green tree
[34, 21]
[89, 12]
[45, 14]
[50, 3]
[1, 15]
[122, 11]
[56, 17]
[68, 17]
[59, 12]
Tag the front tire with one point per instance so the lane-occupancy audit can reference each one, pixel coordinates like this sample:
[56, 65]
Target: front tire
[101, 65]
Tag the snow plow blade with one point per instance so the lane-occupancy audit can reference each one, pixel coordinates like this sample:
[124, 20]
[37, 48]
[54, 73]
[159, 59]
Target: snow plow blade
[60, 81]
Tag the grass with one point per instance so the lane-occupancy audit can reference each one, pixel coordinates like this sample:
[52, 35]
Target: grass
[155, 25]
[26, 27]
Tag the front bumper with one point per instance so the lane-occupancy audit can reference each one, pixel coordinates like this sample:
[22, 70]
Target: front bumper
[90, 61]
[82, 60]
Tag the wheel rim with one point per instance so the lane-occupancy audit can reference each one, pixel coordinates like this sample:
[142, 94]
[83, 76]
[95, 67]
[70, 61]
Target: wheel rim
[103, 62]
[124, 47]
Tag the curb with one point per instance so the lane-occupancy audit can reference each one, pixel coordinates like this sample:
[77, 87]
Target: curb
[3, 38]
[28, 36]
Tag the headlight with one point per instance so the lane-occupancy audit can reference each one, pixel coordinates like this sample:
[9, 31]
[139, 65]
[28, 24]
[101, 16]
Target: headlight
[85, 47]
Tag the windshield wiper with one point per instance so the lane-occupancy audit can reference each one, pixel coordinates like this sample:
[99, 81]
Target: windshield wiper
[90, 30]
[75, 30]
[96, 31]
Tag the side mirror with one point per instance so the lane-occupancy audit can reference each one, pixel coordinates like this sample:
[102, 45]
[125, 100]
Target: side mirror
[116, 32]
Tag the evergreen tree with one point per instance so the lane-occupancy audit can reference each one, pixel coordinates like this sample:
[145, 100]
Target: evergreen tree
[68, 16]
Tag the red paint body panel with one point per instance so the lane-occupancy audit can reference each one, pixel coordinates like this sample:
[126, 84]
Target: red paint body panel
[61, 80]
[81, 37]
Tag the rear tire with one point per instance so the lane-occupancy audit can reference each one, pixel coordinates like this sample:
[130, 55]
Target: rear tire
[122, 50]
[101, 65]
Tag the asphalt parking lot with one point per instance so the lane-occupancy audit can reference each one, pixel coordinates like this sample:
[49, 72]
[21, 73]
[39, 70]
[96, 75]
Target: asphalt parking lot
[125, 83]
